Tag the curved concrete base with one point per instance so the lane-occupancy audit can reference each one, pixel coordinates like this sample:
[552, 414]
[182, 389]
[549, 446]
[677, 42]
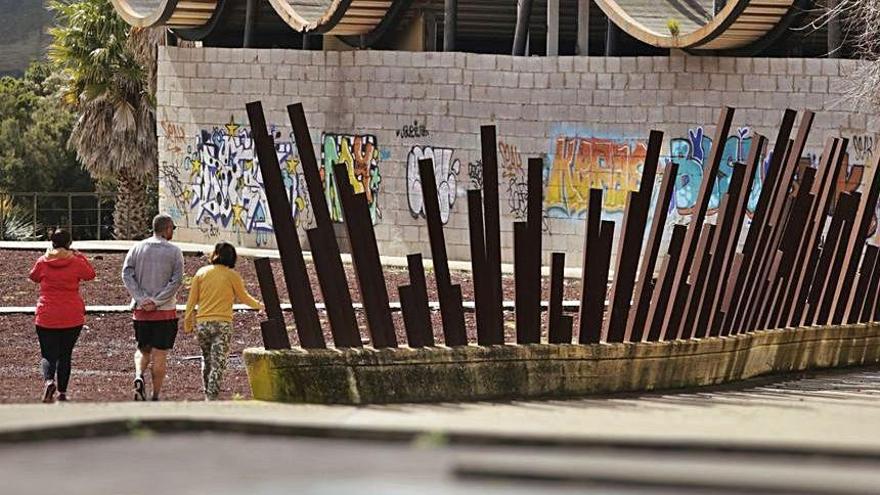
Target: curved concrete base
[470, 373]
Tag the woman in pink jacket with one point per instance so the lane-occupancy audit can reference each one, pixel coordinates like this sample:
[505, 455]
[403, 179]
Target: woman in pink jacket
[60, 310]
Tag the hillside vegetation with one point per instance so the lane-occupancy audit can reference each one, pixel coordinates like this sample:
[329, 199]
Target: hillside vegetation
[25, 38]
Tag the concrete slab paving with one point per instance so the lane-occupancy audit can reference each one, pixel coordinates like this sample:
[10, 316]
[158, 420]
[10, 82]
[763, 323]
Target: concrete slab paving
[834, 411]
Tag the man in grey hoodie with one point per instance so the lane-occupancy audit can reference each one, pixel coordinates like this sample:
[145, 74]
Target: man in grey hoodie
[153, 273]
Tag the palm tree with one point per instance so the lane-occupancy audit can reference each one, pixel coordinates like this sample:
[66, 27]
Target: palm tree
[110, 77]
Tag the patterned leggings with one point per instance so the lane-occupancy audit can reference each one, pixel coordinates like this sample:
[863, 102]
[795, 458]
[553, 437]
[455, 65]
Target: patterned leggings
[214, 338]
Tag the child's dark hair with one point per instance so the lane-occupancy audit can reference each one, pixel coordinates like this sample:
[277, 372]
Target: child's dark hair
[224, 254]
[60, 239]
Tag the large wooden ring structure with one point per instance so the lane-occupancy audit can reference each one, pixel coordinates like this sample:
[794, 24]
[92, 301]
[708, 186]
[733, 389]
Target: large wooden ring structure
[336, 17]
[738, 24]
[172, 13]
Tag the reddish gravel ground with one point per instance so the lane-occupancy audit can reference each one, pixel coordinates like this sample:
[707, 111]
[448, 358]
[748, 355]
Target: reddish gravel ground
[103, 359]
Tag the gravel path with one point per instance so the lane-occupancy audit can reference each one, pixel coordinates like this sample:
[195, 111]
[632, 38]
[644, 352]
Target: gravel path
[103, 363]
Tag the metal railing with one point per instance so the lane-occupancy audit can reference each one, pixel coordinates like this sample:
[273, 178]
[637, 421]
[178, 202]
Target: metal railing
[86, 215]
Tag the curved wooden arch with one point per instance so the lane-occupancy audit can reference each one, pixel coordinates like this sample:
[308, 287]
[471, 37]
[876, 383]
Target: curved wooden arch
[337, 17]
[738, 24]
[184, 14]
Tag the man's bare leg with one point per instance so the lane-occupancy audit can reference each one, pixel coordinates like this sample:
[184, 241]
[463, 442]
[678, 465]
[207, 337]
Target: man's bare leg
[141, 363]
[160, 358]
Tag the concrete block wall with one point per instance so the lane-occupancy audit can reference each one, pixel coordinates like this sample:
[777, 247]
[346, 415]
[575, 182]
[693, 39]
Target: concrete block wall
[588, 117]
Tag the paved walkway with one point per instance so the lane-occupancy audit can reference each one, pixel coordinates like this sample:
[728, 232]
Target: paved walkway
[198, 249]
[832, 411]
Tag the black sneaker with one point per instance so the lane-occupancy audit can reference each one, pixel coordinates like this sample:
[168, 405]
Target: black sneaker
[62, 397]
[140, 389]
[49, 393]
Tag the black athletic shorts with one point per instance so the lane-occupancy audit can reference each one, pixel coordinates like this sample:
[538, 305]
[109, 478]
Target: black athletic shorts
[159, 334]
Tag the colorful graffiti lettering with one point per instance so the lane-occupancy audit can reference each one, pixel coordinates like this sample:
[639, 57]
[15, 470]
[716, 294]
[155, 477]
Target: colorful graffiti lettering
[690, 153]
[446, 170]
[582, 163]
[225, 188]
[360, 153]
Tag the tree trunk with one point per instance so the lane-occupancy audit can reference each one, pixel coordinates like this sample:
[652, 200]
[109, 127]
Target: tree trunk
[134, 208]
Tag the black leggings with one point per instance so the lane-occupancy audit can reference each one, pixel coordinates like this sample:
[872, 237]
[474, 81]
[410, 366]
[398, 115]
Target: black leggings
[56, 346]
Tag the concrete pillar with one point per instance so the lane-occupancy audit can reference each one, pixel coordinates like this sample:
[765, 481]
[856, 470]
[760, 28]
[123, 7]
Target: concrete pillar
[450, 24]
[583, 28]
[612, 40]
[523, 14]
[250, 18]
[430, 32]
[552, 28]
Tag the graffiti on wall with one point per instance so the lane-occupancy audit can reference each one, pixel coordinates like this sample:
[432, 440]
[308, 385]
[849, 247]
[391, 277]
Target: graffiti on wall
[175, 137]
[415, 130]
[582, 163]
[217, 184]
[446, 170]
[690, 153]
[475, 174]
[513, 174]
[361, 155]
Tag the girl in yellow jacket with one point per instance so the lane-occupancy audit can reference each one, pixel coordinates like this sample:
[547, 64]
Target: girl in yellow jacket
[214, 289]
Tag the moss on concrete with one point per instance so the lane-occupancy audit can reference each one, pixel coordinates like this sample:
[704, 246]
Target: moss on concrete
[468, 373]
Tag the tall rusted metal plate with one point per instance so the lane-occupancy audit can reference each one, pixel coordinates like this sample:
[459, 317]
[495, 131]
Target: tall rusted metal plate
[535, 218]
[766, 310]
[871, 312]
[683, 268]
[591, 238]
[642, 296]
[482, 287]
[863, 280]
[769, 186]
[451, 311]
[274, 335]
[412, 322]
[557, 332]
[702, 259]
[522, 281]
[722, 237]
[274, 332]
[492, 220]
[331, 273]
[597, 284]
[635, 220]
[732, 224]
[268, 290]
[806, 260]
[299, 288]
[849, 229]
[865, 215]
[664, 279]
[367, 265]
[823, 266]
[419, 288]
[777, 212]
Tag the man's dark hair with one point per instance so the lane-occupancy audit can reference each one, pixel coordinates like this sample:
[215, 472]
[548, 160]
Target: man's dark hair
[224, 254]
[61, 239]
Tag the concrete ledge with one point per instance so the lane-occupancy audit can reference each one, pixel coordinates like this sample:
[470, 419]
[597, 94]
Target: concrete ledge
[470, 373]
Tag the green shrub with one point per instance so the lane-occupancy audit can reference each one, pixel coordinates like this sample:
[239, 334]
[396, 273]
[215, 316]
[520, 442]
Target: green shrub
[673, 26]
